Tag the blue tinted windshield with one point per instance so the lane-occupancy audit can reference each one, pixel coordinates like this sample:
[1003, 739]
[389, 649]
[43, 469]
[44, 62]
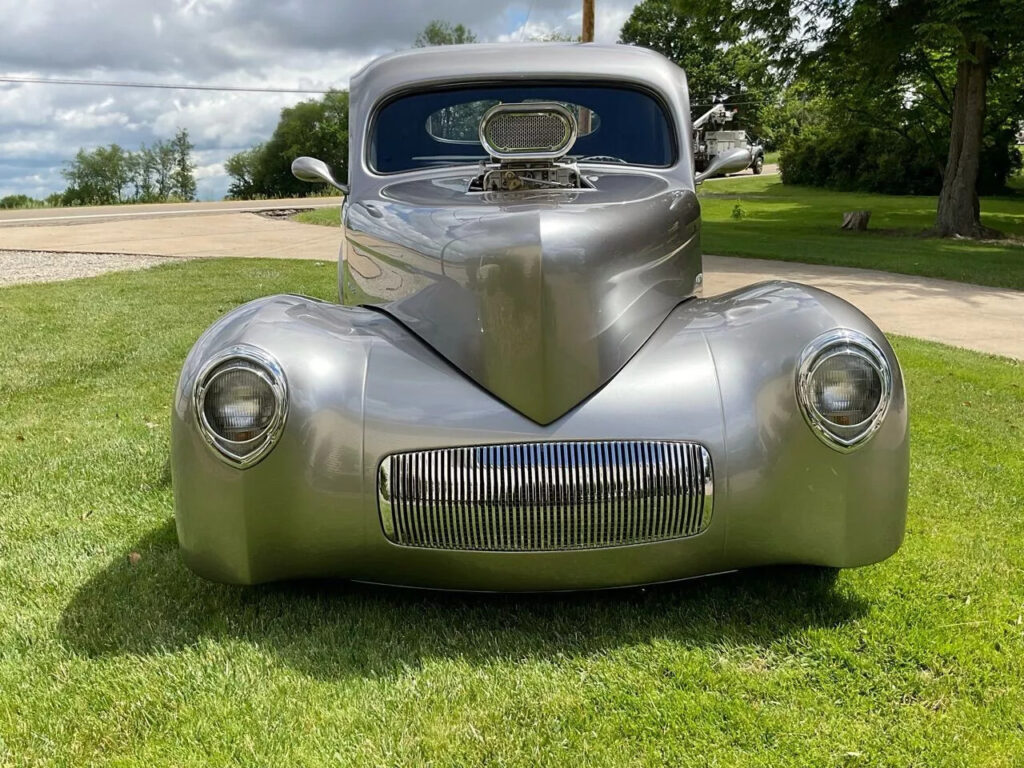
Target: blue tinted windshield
[423, 130]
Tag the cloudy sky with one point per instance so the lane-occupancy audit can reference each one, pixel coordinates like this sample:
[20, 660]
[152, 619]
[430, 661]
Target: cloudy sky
[312, 44]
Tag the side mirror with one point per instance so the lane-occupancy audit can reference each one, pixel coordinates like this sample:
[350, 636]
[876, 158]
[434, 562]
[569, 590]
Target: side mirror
[734, 160]
[313, 170]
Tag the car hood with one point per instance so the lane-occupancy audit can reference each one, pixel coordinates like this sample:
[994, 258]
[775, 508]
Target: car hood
[540, 298]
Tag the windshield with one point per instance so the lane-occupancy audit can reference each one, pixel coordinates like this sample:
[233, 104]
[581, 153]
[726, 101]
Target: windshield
[423, 130]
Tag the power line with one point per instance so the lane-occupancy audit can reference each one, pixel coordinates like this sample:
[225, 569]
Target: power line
[162, 86]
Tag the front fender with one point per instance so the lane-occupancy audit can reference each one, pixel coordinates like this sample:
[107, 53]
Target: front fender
[791, 497]
[720, 372]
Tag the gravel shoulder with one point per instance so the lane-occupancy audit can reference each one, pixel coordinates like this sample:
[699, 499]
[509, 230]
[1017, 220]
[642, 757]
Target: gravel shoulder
[49, 266]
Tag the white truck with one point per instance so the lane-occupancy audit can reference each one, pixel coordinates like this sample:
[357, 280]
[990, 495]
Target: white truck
[736, 148]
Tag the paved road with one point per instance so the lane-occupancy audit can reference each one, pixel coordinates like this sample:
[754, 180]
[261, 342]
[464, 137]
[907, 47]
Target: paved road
[211, 235]
[984, 319]
[31, 216]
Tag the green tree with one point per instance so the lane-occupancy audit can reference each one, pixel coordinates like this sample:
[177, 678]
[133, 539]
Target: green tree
[555, 37]
[957, 54]
[707, 39]
[108, 175]
[20, 201]
[987, 37]
[163, 169]
[317, 127]
[244, 169]
[439, 32]
[99, 177]
[183, 178]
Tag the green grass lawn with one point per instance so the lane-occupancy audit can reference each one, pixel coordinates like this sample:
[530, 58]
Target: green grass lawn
[330, 217]
[790, 223]
[112, 660]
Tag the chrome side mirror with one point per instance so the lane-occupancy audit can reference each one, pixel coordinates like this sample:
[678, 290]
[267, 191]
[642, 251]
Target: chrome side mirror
[734, 160]
[312, 170]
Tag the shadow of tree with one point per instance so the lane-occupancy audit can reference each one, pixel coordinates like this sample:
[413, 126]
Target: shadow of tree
[336, 630]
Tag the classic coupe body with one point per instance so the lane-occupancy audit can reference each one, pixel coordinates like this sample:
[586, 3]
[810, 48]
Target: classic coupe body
[523, 388]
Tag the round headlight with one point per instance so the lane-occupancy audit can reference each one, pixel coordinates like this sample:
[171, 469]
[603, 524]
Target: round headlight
[844, 385]
[240, 403]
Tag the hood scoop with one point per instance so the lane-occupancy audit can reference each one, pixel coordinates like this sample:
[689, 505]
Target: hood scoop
[539, 304]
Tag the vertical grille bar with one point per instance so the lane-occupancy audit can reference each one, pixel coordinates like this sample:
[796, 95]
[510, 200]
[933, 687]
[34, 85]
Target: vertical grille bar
[548, 496]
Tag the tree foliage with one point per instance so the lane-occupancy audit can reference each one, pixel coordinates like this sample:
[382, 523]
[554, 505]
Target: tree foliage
[894, 74]
[19, 201]
[439, 32]
[707, 39]
[108, 175]
[244, 170]
[317, 127]
[937, 81]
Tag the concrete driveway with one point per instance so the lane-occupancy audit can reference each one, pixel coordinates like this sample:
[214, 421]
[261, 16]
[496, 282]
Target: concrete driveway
[970, 316]
[983, 319]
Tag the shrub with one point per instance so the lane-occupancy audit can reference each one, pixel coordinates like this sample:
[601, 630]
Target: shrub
[868, 160]
[20, 201]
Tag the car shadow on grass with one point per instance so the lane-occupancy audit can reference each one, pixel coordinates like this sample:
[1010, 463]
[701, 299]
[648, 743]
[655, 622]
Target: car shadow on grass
[148, 602]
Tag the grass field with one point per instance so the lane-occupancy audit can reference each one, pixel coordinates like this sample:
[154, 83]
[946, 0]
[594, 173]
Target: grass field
[763, 218]
[759, 217]
[112, 660]
[328, 217]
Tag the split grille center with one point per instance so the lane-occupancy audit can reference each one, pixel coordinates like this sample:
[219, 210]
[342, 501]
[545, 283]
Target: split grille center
[552, 496]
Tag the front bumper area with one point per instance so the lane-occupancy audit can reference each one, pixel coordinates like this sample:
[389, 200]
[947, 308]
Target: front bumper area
[718, 372]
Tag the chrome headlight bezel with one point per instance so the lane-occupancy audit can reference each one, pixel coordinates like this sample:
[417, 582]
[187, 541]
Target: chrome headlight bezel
[843, 438]
[242, 454]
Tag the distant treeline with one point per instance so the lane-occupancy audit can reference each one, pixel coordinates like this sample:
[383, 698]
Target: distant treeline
[160, 173]
[24, 201]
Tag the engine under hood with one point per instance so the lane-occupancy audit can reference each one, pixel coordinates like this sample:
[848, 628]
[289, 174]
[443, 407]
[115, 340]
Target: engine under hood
[538, 297]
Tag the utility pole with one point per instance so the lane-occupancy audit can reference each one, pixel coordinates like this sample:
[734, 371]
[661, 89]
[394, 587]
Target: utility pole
[583, 120]
[588, 22]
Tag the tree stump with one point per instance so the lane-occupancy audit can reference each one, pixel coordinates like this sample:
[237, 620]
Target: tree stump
[857, 220]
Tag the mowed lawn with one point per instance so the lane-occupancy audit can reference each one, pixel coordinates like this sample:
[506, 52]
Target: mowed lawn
[108, 658]
[760, 217]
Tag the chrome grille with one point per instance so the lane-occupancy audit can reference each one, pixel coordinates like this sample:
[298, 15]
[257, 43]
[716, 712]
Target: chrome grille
[523, 497]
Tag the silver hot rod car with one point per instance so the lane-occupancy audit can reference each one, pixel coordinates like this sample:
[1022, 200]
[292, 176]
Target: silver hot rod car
[523, 388]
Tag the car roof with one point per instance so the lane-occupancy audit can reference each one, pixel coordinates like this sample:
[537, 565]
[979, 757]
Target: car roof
[513, 61]
[524, 63]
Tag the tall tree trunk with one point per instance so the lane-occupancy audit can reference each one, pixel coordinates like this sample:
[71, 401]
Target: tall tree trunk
[959, 213]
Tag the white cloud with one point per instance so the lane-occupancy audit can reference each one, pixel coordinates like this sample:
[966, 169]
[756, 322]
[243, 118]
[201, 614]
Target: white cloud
[312, 44]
